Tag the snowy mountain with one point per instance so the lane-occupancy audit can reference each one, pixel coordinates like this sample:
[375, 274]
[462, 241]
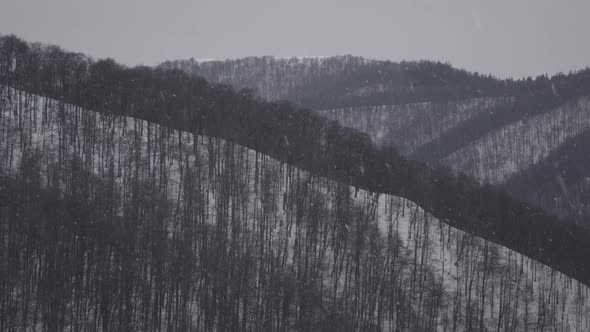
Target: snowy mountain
[239, 240]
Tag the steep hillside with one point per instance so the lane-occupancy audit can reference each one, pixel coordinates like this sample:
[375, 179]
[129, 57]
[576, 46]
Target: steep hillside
[116, 223]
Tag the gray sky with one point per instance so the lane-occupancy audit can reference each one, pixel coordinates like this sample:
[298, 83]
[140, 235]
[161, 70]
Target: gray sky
[501, 37]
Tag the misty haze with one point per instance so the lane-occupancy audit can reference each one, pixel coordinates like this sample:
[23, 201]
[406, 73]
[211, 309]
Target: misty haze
[294, 166]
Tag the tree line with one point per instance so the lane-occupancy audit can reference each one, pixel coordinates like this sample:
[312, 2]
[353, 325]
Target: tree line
[345, 81]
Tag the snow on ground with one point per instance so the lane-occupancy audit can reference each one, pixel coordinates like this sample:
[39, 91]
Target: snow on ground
[409, 126]
[513, 148]
[469, 277]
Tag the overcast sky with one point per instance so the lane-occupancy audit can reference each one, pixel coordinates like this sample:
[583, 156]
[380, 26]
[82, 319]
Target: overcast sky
[502, 37]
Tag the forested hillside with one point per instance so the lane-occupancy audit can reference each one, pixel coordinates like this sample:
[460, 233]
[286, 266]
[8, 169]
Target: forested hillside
[345, 81]
[139, 198]
[115, 223]
[489, 128]
[410, 127]
[566, 184]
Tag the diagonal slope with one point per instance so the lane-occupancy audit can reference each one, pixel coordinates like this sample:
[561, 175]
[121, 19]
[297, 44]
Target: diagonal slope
[356, 258]
[411, 126]
[562, 179]
[520, 145]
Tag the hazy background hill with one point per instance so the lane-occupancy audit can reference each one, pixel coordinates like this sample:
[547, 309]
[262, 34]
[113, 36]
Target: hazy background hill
[498, 131]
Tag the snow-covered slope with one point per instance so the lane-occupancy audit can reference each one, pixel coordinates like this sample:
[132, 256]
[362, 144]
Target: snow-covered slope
[409, 126]
[359, 93]
[499, 156]
[516, 147]
[312, 248]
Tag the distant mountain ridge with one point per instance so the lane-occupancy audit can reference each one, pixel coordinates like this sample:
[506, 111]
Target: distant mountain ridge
[343, 81]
